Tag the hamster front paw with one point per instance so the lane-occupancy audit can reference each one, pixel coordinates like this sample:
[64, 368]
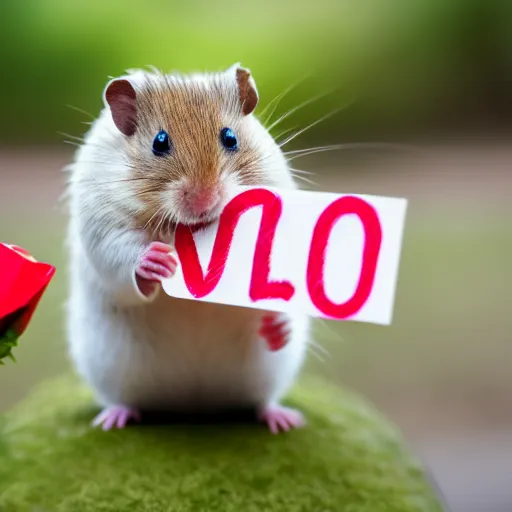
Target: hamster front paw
[156, 263]
[275, 330]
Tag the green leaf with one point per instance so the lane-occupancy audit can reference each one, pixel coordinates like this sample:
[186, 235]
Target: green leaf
[8, 341]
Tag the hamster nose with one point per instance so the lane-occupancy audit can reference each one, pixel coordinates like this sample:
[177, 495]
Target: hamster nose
[200, 202]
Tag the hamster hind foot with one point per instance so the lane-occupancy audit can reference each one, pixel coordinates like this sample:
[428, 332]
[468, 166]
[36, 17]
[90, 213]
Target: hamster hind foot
[116, 416]
[281, 418]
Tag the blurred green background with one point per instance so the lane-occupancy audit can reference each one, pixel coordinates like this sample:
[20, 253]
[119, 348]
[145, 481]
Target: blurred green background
[400, 64]
[436, 73]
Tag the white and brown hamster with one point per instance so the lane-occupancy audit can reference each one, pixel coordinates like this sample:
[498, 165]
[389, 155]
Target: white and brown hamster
[164, 150]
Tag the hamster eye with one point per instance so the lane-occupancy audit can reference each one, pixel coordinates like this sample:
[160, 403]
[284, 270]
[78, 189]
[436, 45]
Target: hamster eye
[228, 139]
[161, 143]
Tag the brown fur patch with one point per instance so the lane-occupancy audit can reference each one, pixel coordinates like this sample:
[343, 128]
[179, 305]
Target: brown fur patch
[193, 113]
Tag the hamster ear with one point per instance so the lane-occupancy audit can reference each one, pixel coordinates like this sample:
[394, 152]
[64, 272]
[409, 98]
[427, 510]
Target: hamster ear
[120, 96]
[247, 89]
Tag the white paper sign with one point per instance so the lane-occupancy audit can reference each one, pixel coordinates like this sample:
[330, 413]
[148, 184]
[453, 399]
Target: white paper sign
[328, 255]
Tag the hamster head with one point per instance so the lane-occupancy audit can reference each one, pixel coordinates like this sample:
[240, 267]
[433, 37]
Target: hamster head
[178, 143]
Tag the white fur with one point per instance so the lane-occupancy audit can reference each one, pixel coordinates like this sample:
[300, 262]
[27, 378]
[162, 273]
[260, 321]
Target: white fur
[159, 352]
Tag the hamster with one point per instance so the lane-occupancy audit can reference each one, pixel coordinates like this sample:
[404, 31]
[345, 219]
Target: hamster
[166, 149]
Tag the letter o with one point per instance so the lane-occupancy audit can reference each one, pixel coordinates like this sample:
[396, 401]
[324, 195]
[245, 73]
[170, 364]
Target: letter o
[346, 205]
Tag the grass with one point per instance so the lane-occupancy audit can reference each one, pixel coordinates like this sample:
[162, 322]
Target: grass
[348, 458]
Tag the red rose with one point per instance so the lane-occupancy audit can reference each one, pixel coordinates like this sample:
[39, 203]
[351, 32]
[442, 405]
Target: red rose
[23, 280]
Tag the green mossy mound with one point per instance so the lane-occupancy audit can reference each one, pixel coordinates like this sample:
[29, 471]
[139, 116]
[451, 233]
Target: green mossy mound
[347, 459]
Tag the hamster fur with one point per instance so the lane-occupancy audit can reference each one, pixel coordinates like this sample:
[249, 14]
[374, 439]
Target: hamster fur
[138, 348]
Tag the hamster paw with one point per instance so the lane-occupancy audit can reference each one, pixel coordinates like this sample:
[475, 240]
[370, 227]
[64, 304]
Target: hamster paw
[157, 263]
[116, 416]
[282, 418]
[275, 330]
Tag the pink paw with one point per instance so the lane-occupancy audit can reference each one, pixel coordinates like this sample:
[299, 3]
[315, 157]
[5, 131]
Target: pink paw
[274, 328]
[282, 418]
[116, 416]
[155, 265]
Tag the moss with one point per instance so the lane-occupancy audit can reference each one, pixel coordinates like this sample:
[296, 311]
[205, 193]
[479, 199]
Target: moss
[348, 458]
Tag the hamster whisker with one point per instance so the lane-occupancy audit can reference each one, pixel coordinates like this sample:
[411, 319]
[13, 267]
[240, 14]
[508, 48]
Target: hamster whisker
[126, 164]
[80, 139]
[278, 98]
[151, 218]
[306, 180]
[300, 171]
[298, 107]
[305, 129]
[312, 349]
[280, 138]
[82, 111]
[172, 221]
[255, 162]
[352, 145]
[123, 180]
[252, 166]
[95, 162]
[319, 347]
[80, 144]
[72, 143]
[160, 223]
[318, 148]
[337, 336]
[274, 101]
